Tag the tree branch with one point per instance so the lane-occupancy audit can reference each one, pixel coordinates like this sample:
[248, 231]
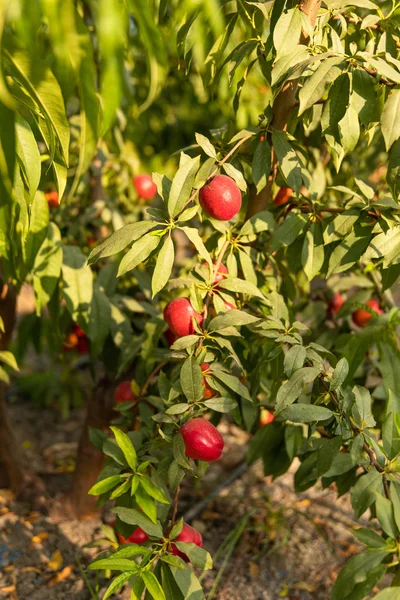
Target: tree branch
[282, 108]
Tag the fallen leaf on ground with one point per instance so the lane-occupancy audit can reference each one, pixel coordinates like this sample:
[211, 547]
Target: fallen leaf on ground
[6, 495]
[8, 590]
[64, 574]
[302, 585]
[8, 569]
[254, 570]
[4, 510]
[31, 570]
[305, 502]
[56, 561]
[38, 539]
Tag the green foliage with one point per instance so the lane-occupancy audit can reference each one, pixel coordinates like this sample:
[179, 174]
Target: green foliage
[312, 105]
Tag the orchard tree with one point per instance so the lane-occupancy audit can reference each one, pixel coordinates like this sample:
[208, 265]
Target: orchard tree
[261, 277]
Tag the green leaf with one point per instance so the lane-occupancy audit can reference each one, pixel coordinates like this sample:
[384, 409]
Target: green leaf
[262, 221]
[111, 26]
[137, 588]
[236, 175]
[120, 239]
[395, 497]
[152, 39]
[294, 359]
[77, 283]
[188, 583]
[316, 86]
[285, 65]
[38, 228]
[182, 185]
[312, 256]
[28, 155]
[125, 444]
[99, 321]
[171, 590]
[198, 556]
[44, 90]
[287, 31]
[363, 492]
[191, 379]
[306, 413]
[391, 119]
[223, 405]
[261, 165]
[232, 383]
[362, 410]
[385, 515]
[288, 160]
[178, 409]
[89, 101]
[234, 318]
[291, 389]
[164, 264]
[234, 284]
[138, 253]
[288, 231]
[349, 129]
[116, 584]
[146, 503]
[356, 571]
[205, 145]
[121, 489]
[197, 242]
[339, 374]
[153, 585]
[326, 454]
[369, 537]
[135, 517]
[8, 358]
[364, 99]
[47, 267]
[154, 491]
[382, 67]
[104, 485]
[386, 246]
[115, 564]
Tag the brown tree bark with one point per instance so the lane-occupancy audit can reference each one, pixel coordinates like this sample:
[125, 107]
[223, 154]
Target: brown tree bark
[89, 460]
[282, 108]
[12, 473]
[99, 412]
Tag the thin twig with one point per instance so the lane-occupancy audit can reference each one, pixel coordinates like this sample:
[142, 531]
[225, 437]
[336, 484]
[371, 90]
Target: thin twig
[154, 372]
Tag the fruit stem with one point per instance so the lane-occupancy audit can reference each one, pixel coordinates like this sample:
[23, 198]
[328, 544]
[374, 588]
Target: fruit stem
[154, 372]
[220, 163]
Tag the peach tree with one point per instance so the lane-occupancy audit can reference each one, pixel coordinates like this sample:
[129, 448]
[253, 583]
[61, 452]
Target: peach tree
[282, 301]
[269, 258]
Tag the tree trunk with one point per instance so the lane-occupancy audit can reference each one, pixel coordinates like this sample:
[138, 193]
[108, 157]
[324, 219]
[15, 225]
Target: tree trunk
[89, 460]
[282, 108]
[12, 473]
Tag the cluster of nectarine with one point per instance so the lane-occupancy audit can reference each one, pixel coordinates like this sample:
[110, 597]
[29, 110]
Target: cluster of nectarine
[76, 339]
[187, 534]
[360, 316]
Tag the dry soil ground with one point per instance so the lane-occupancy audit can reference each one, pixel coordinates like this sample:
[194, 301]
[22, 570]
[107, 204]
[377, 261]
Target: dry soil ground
[291, 547]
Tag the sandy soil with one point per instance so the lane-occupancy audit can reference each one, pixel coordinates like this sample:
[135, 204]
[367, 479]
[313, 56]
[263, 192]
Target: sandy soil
[291, 547]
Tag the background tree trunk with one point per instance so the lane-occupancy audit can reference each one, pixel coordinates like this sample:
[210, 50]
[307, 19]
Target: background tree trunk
[12, 473]
[89, 460]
